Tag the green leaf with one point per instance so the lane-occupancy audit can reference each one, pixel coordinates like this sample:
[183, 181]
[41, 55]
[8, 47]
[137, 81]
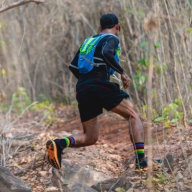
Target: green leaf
[135, 77]
[143, 62]
[157, 45]
[173, 106]
[165, 66]
[189, 30]
[138, 86]
[158, 69]
[165, 111]
[145, 50]
[174, 120]
[143, 79]
[158, 119]
[190, 121]
[179, 101]
[143, 44]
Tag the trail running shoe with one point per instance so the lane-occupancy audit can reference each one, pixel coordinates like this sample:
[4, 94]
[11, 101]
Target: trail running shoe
[54, 154]
[141, 165]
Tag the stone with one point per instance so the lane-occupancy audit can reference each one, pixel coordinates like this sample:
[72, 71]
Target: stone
[59, 181]
[80, 187]
[73, 177]
[112, 184]
[179, 176]
[52, 189]
[10, 183]
[42, 173]
[87, 176]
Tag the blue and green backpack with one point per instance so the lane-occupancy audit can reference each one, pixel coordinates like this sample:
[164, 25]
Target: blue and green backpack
[87, 50]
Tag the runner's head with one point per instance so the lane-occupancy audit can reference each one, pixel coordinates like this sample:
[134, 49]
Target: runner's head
[110, 22]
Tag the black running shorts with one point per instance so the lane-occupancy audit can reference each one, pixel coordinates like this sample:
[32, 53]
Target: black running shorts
[93, 97]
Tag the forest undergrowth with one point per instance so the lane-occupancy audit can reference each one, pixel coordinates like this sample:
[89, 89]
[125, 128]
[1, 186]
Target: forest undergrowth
[37, 90]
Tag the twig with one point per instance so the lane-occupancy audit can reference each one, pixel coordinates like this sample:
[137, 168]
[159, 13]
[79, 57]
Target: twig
[17, 4]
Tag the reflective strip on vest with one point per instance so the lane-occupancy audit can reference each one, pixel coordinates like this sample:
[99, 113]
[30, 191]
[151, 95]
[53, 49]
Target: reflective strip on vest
[118, 52]
[90, 41]
[86, 44]
[92, 44]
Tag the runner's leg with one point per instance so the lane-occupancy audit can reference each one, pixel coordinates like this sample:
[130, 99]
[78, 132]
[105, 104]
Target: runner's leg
[88, 137]
[136, 130]
[126, 110]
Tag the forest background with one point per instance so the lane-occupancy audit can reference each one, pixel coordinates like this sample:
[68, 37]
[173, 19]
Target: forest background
[38, 42]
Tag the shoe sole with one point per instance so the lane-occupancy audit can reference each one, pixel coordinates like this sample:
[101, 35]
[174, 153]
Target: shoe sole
[52, 154]
[157, 164]
[145, 169]
[141, 170]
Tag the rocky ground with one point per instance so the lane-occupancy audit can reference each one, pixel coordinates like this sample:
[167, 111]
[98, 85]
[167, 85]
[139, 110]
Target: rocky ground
[106, 166]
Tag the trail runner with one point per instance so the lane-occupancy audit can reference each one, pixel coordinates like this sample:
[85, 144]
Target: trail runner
[94, 63]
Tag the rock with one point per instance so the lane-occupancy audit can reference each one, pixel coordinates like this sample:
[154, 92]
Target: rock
[168, 161]
[179, 176]
[10, 183]
[52, 189]
[112, 184]
[43, 173]
[72, 177]
[58, 180]
[87, 176]
[81, 187]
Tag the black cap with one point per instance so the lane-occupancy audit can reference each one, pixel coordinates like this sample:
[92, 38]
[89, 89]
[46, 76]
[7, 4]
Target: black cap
[108, 21]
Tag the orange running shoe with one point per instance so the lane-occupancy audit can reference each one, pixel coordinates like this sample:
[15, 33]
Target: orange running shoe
[54, 154]
[141, 166]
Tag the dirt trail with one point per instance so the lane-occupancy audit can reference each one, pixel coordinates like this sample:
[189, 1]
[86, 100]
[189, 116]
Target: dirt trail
[111, 155]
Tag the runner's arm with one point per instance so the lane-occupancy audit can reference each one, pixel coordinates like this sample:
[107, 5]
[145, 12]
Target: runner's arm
[108, 51]
[74, 65]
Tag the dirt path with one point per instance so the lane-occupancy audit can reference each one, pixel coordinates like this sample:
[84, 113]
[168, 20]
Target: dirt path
[112, 155]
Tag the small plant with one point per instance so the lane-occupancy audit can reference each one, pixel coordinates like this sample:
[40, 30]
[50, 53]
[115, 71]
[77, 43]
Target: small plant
[20, 100]
[140, 78]
[144, 111]
[47, 109]
[171, 113]
[120, 189]
[159, 178]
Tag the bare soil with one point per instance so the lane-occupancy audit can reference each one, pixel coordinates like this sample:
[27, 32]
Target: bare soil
[112, 155]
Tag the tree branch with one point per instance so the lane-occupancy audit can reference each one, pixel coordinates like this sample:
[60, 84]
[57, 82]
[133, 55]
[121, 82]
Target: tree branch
[17, 4]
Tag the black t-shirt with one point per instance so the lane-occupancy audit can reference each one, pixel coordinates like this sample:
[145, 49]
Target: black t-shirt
[105, 51]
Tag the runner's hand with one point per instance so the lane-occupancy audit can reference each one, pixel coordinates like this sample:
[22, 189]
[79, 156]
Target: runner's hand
[126, 81]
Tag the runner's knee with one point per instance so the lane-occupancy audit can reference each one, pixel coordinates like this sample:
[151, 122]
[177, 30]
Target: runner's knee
[131, 112]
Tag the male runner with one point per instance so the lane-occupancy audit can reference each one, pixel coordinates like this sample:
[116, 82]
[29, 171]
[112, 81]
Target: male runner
[94, 92]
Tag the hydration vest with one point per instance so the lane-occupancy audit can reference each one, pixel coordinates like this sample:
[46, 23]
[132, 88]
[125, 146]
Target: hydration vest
[86, 57]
